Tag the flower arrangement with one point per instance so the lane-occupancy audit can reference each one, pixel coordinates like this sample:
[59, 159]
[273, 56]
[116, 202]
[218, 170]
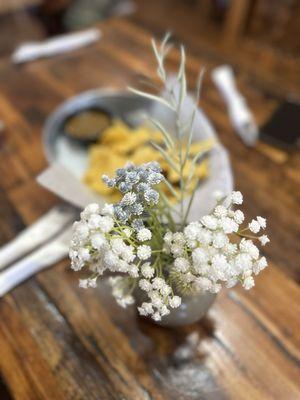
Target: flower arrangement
[146, 243]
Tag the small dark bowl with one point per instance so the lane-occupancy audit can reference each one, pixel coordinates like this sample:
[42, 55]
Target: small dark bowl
[89, 127]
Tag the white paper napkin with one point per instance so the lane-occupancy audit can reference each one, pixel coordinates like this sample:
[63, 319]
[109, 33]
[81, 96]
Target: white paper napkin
[57, 45]
[239, 113]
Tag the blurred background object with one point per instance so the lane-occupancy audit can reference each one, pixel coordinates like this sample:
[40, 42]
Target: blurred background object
[261, 37]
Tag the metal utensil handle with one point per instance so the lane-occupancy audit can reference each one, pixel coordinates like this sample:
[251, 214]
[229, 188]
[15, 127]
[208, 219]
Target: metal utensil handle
[33, 263]
[40, 232]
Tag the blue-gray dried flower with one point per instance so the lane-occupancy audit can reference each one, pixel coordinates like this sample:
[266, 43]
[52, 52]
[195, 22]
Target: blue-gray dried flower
[137, 224]
[137, 209]
[132, 177]
[155, 178]
[124, 187]
[109, 182]
[142, 187]
[151, 196]
[120, 213]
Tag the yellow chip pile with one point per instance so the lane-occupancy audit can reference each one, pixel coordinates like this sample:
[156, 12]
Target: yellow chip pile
[119, 144]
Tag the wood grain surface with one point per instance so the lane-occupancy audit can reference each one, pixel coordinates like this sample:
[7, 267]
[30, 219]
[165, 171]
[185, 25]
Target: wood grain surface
[60, 342]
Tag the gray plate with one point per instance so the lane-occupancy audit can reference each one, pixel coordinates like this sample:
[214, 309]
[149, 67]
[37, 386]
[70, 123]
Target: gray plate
[73, 155]
[130, 108]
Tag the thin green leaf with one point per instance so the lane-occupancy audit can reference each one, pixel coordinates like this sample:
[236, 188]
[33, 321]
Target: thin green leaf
[190, 202]
[182, 90]
[165, 156]
[165, 41]
[182, 63]
[182, 78]
[167, 137]
[197, 158]
[167, 202]
[172, 190]
[159, 57]
[190, 137]
[199, 86]
[151, 97]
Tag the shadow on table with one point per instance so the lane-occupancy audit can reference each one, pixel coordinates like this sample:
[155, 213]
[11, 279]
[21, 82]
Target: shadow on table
[178, 360]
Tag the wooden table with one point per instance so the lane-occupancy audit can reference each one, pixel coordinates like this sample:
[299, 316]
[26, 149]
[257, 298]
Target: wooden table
[60, 342]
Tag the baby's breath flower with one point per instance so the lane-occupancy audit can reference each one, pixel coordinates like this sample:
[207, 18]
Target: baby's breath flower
[144, 234]
[81, 230]
[92, 208]
[125, 301]
[202, 284]
[254, 226]
[158, 283]
[176, 249]
[147, 270]
[215, 288]
[237, 198]
[168, 237]
[192, 230]
[260, 265]
[175, 302]
[248, 282]
[156, 316]
[248, 247]
[205, 237]
[264, 240]
[181, 264]
[127, 254]
[145, 285]
[231, 282]
[145, 309]
[84, 254]
[230, 249]
[108, 209]
[97, 241]
[127, 232]
[239, 216]
[220, 211]
[88, 283]
[229, 225]
[200, 256]
[220, 240]
[210, 222]
[133, 271]
[165, 290]
[262, 222]
[143, 252]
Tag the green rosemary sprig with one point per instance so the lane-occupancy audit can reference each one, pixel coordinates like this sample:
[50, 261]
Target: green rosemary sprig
[173, 149]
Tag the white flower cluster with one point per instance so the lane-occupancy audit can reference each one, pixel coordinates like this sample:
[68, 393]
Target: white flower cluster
[207, 255]
[121, 291]
[100, 244]
[159, 294]
[206, 258]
